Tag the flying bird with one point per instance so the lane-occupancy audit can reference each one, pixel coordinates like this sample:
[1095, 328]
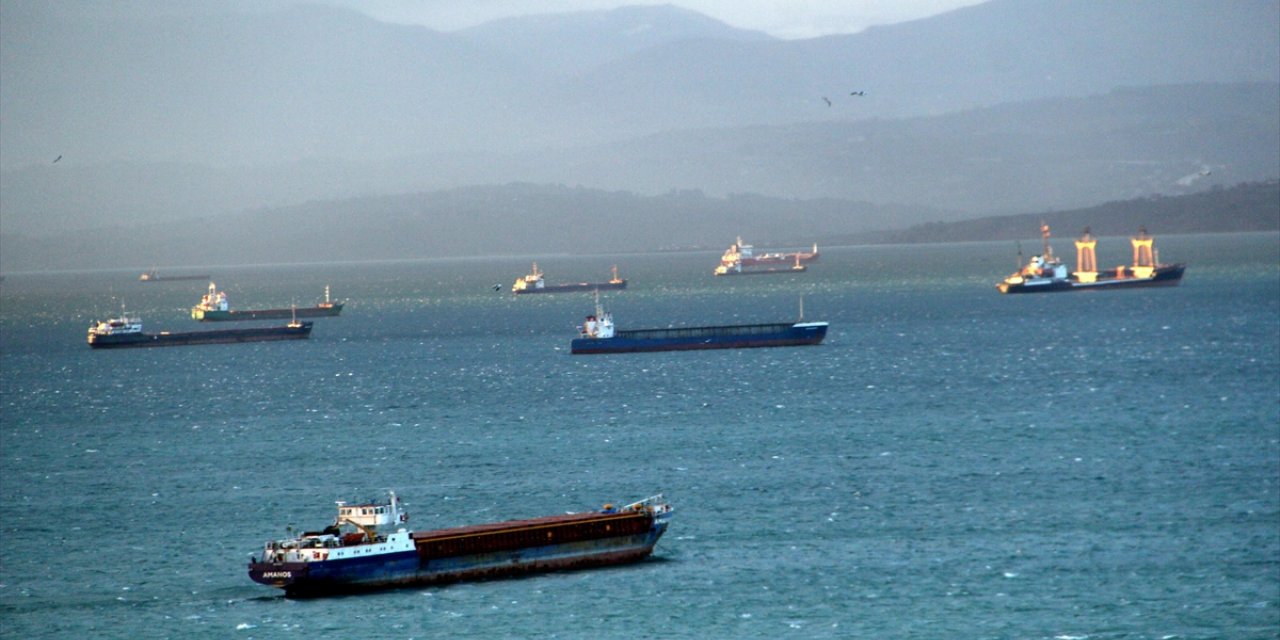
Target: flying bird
[55, 160]
[857, 93]
[826, 100]
[497, 287]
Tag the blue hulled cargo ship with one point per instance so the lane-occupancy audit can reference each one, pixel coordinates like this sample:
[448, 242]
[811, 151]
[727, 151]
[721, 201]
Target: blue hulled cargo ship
[1047, 273]
[598, 335]
[367, 547]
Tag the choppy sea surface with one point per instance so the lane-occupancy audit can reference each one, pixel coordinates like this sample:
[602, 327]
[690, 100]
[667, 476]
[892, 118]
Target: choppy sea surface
[950, 463]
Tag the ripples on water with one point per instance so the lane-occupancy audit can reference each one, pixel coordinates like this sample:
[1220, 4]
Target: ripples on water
[950, 463]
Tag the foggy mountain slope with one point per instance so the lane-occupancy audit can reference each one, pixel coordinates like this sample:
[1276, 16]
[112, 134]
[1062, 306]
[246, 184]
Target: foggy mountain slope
[567, 44]
[249, 89]
[313, 82]
[1000, 51]
[512, 220]
[1049, 153]
[168, 115]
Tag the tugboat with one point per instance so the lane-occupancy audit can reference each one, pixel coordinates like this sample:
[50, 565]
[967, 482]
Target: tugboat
[1045, 272]
[744, 254]
[214, 307]
[368, 547]
[598, 335]
[534, 283]
[127, 332]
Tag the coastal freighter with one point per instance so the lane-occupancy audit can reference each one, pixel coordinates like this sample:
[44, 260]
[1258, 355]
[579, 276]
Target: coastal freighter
[1046, 272]
[368, 547]
[534, 283]
[597, 335]
[152, 276]
[127, 332]
[744, 254]
[214, 307]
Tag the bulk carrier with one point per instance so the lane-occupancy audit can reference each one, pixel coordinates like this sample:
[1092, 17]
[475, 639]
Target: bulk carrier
[534, 283]
[1046, 272]
[368, 547]
[125, 332]
[214, 307]
[598, 335]
[744, 254]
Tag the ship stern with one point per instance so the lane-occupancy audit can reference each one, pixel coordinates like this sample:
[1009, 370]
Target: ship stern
[289, 576]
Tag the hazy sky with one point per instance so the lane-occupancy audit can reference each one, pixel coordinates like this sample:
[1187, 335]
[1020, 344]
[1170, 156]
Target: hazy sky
[780, 18]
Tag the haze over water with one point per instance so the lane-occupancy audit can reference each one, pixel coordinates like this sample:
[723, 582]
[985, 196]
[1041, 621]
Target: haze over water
[949, 463]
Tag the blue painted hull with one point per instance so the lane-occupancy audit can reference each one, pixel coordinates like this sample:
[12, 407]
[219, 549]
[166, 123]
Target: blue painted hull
[685, 339]
[1164, 276]
[422, 567]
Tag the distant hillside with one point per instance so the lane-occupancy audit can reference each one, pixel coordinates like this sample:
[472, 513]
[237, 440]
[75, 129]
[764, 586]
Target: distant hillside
[1041, 154]
[314, 82]
[1245, 207]
[524, 219]
[1029, 156]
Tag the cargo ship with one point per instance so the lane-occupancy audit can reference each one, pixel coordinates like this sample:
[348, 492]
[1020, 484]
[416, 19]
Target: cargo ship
[598, 335]
[152, 276]
[534, 283]
[368, 547]
[214, 307]
[740, 252]
[127, 332]
[1046, 272]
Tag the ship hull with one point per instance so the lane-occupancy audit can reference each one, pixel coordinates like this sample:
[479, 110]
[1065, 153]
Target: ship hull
[146, 278]
[474, 553]
[761, 272]
[783, 258]
[698, 338]
[225, 336]
[576, 286]
[1163, 276]
[322, 311]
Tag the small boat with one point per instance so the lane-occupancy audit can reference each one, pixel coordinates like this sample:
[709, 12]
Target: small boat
[598, 335]
[369, 547]
[534, 283]
[125, 332]
[152, 276]
[744, 254]
[214, 307]
[1046, 272]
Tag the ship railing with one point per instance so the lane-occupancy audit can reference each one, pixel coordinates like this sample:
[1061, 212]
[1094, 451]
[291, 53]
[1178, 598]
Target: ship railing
[652, 502]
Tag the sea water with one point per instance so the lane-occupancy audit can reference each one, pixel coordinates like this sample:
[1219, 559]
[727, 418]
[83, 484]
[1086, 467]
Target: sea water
[949, 463]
